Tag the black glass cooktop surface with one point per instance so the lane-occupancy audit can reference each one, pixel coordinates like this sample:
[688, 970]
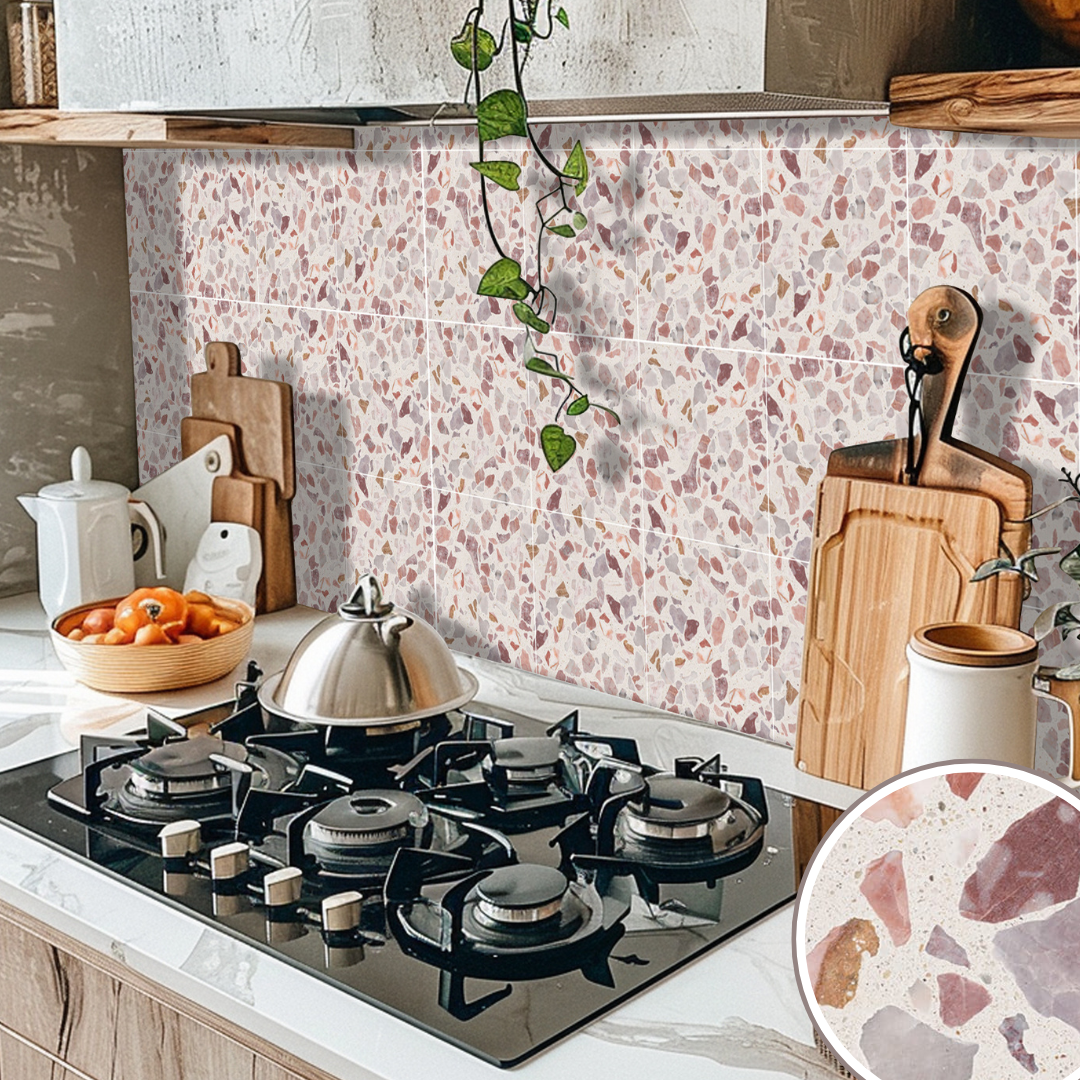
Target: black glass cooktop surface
[502, 955]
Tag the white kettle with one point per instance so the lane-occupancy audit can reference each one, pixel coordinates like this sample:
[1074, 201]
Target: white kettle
[85, 543]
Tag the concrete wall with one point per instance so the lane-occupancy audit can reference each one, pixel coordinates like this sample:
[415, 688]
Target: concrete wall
[65, 333]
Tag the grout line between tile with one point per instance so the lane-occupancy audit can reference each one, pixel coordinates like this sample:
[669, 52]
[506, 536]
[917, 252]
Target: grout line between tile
[1076, 290]
[910, 219]
[428, 324]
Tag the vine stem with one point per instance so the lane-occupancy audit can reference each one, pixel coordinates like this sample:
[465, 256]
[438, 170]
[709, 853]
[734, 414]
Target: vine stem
[521, 93]
[476, 15]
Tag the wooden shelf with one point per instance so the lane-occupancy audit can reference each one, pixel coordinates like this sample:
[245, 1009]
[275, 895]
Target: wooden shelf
[135, 130]
[1039, 102]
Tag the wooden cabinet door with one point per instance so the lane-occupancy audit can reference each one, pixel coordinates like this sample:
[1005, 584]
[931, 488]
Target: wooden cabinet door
[62, 1004]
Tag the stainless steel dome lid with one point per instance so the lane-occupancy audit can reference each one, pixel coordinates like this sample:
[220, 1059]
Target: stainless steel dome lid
[369, 665]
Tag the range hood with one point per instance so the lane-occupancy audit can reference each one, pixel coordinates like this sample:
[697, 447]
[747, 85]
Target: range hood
[357, 61]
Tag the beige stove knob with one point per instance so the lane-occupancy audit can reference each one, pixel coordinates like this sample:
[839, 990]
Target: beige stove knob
[341, 913]
[229, 861]
[179, 839]
[282, 887]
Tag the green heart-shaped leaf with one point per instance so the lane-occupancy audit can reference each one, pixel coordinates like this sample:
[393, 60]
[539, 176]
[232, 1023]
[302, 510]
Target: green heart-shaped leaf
[501, 113]
[578, 407]
[558, 447]
[530, 318]
[580, 221]
[503, 279]
[577, 168]
[461, 48]
[504, 173]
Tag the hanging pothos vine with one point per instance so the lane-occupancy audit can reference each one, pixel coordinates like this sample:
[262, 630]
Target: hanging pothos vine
[502, 114]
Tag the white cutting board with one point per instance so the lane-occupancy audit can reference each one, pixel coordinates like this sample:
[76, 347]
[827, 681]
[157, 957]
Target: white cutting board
[180, 498]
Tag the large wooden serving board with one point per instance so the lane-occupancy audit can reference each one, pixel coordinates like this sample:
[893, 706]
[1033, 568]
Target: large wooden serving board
[902, 525]
[887, 559]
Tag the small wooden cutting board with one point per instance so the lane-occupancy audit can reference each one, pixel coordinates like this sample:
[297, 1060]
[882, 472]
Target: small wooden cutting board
[260, 408]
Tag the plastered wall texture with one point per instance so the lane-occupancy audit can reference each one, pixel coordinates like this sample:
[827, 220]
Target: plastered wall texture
[943, 932]
[737, 297]
[66, 372]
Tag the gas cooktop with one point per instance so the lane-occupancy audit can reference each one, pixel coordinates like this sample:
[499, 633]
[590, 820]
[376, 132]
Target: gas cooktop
[496, 880]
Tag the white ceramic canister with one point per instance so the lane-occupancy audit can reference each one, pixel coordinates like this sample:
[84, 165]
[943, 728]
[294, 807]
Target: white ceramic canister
[970, 695]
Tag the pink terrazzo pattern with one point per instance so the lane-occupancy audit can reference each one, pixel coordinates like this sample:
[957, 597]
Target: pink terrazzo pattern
[737, 297]
[388, 533]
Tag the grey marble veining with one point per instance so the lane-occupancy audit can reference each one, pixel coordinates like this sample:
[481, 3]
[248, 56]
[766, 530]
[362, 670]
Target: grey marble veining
[224, 963]
[66, 373]
[734, 1042]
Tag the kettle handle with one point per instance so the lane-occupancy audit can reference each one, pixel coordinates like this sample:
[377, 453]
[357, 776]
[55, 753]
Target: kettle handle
[1046, 684]
[140, 510]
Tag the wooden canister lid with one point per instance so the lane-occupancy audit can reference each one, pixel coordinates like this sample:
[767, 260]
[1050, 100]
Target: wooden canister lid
[974, 645]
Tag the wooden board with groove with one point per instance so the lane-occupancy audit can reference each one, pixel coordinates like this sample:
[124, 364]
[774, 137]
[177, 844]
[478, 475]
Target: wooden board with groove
[871, 536]
[901, 526]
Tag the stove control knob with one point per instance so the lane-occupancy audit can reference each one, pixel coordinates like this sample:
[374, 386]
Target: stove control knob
[229, 862]
[341, 913]
[281, 888]
[179, 839]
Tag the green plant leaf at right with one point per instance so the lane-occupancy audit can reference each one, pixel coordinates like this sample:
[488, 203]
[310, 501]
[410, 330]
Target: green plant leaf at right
[562, 230]
[503, 173]
[461, 48]
[580, 221]
[503, 279]
[501, 113]
[529, 317]
[578, 407]
[562, 17]
[1071, 564]
[558, 447]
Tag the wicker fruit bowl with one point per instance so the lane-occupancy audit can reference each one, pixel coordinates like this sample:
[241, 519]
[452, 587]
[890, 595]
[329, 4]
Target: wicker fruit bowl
[141, 669]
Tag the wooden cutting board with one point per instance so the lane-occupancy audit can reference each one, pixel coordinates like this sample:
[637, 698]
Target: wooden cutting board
[262, 439]
[891, 555]
[887, 560]
[261, 409]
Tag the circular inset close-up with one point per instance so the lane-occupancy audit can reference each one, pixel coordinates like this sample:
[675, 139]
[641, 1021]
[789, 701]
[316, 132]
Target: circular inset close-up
[937, 928]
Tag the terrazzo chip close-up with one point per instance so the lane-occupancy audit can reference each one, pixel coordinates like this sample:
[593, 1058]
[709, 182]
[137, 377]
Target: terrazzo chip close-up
[937, 928]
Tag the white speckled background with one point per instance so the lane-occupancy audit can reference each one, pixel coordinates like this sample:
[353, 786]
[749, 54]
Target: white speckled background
[935, 884]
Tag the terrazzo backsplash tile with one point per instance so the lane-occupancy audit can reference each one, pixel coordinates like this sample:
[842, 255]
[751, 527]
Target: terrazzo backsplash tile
[736, 297]
[937, 928]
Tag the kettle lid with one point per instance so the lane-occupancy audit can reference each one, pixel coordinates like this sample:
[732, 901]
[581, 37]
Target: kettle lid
[81, 486]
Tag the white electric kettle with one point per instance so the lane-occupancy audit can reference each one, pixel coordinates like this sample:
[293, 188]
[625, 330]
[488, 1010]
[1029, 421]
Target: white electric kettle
[86, 550]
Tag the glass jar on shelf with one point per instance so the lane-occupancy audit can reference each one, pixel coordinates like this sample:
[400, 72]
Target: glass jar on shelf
[31, 31]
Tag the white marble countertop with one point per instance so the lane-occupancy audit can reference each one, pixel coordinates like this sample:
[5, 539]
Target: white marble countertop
[734, 1014]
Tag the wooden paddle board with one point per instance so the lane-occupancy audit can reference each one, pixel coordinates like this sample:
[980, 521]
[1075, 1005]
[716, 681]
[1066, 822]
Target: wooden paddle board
[895, 550]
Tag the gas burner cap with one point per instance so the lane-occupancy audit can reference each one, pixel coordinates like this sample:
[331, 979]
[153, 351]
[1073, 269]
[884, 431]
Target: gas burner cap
[673, 808]
[367, 818]
[184, 767]
[520, 894]
[524, 758]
